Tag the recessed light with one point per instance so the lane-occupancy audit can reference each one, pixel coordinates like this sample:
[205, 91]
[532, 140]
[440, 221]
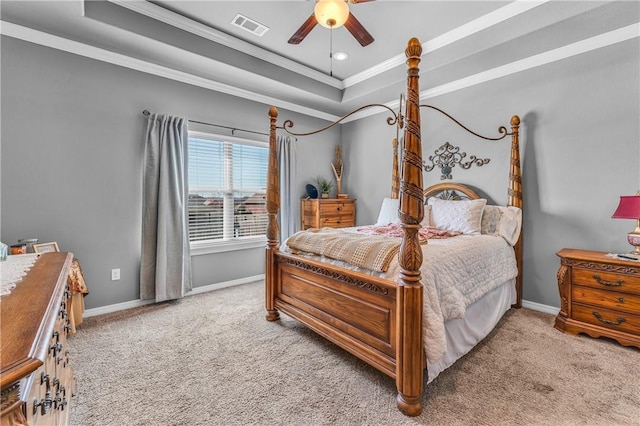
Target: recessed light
[340, 56]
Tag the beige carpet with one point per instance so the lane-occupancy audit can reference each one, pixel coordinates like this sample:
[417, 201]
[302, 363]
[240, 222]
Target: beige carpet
[212, 359]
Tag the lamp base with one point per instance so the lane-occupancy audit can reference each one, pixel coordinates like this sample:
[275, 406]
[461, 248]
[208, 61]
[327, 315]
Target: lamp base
[634, 239]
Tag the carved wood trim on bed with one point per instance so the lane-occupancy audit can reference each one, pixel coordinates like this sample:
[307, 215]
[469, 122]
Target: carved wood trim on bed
[450, 190]
[515, 197]
[410, 298]
[273, 204]
[376, 319]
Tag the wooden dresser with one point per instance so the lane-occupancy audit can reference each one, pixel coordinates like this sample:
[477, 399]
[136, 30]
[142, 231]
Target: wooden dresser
[599, 296]
[328, 213]
[37, 381]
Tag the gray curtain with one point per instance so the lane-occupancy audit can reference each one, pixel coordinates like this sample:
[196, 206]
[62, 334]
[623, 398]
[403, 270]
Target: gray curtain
[289, 199]
[165, 271]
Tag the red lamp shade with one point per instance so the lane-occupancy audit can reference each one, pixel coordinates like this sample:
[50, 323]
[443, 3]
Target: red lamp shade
[629, 207]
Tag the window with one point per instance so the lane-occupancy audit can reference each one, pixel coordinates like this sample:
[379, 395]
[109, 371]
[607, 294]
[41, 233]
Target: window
[227, 189]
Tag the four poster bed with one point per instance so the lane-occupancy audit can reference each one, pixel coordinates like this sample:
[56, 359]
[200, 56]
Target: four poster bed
[379, 316]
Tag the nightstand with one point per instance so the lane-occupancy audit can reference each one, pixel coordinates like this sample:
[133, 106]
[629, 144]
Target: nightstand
[328, 213]
[599, 296]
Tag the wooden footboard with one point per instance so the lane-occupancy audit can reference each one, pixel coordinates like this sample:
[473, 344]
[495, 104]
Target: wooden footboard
[355, 311]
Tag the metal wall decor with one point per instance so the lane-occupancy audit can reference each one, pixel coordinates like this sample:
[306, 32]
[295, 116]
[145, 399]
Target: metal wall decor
[447, 156]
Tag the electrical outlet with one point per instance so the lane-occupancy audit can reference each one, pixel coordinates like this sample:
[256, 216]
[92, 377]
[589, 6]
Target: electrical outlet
[115, 274]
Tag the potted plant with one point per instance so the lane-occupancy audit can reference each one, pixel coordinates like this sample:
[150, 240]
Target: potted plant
[325, 186]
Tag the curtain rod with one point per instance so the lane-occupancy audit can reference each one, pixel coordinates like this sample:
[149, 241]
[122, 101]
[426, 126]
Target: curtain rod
[233, 129]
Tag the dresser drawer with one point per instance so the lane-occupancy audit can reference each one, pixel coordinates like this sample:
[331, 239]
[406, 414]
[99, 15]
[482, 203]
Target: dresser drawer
[607, 280]
[606, 299]
[337, 221]
[608, 318]
[338, 207]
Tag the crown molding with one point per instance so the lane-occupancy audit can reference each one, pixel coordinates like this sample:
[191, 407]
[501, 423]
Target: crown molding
[509, 11]
[44, 39]
[577, 48]
[176, 20]
[37, 37]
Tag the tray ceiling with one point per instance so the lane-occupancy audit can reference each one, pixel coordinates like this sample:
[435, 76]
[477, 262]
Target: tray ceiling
[464, 42]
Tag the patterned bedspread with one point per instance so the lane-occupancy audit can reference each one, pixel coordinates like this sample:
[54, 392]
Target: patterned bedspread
[372, 252]
[394, 230]
[455, 273]
[371, 247]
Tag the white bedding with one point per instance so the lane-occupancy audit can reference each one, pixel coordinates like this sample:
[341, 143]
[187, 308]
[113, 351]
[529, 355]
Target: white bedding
[456, 272]
[481, 317]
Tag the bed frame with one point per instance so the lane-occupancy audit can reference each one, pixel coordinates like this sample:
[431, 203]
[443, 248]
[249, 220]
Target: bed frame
[376, 319]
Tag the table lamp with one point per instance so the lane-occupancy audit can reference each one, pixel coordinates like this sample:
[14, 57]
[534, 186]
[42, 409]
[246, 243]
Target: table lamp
[629, 208]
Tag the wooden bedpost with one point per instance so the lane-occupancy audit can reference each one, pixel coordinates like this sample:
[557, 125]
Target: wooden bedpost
[515, 198]
[410, 352]
[273, 231]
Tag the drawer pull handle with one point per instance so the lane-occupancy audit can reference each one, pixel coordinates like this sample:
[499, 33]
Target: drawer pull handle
[607, 283]
[44, 378]
[621, 299]
[44, 404]
[606, 321]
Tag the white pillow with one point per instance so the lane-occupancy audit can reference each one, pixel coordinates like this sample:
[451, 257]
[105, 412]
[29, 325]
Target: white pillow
[453, 215]
[388, 212]
[505, 222]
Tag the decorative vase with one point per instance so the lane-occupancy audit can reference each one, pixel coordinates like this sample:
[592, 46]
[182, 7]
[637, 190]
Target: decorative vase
[325, 195]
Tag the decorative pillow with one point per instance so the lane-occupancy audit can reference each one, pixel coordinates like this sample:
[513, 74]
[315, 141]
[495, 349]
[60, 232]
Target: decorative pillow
[388, 212]
[490, 219]
[510, 224]
[464, 215]
[505, 222]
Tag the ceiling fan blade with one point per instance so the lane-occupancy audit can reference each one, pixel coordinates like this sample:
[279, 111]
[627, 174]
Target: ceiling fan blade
[359, 1]
[304, 30]
[357, 30]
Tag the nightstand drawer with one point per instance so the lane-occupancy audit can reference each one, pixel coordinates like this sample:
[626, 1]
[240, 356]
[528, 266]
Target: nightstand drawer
[337, 221]
[606, 280]
[606, 299]
[608, 318]
[338, 207]
[599, 296]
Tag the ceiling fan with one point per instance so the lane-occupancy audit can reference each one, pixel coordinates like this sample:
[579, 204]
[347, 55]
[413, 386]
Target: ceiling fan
[333, 14]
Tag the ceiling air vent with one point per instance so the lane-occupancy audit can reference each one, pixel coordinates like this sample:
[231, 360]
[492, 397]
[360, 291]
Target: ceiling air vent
[249, 25]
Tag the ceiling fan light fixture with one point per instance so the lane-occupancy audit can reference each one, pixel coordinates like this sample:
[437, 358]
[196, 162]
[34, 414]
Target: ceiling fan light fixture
[331, 13]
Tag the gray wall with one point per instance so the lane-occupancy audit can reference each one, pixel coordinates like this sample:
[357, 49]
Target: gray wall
[580, 137]
[71, 166]
[71, 163]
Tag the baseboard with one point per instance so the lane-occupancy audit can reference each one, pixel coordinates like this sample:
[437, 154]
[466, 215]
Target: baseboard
[225, 284]
[137, 303]
[116, 307]
[540, 307]
[217, 286]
